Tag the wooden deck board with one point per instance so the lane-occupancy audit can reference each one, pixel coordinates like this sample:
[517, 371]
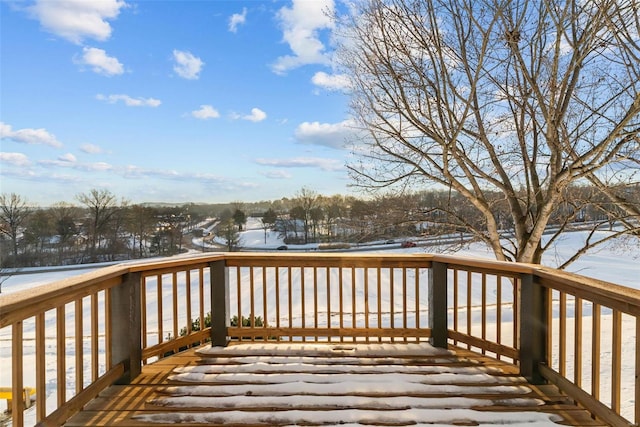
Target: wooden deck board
[155, 394]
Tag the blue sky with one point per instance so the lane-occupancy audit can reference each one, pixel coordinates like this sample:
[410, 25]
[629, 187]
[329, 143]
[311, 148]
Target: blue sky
[173, 101]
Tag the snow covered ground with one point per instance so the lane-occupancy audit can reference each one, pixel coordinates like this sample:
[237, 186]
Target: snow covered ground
[618, 263]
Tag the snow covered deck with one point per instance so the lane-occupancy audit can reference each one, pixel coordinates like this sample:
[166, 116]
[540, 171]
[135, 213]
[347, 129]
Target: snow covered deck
[264, 384]
[75, 339]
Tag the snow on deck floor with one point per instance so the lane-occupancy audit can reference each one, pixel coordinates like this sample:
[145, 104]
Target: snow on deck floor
[363, 384]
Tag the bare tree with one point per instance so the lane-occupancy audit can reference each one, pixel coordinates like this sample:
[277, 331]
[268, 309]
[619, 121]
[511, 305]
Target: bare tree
[141, 223]
[239, 214]
[335, 209]
[39, 231]
[102, 206]
[359, 223]
[306, 201]
[13, 215]
[518, 98]
[268, 221]
[65, 217]
[227, 230]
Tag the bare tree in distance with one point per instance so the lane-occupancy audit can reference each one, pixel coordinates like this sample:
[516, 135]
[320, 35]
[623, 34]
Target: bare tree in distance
[227, 230]
[65, 217]
[268, 221]
[306, 201]
[13, 214]
[141, 223]
[506, 103]
[101, 205]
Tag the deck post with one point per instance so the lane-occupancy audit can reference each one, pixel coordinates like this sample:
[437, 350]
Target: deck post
[219, 303]
[126, 326]
[438, 304]
[533, 329]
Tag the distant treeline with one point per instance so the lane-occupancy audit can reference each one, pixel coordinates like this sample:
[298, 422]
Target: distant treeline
[102, 227]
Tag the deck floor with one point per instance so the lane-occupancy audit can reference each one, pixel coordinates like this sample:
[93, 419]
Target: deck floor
[329, 384]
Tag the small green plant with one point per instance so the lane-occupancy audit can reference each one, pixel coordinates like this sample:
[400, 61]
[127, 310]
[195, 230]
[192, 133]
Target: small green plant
[258, 322]
[195, 324]
[246, 321]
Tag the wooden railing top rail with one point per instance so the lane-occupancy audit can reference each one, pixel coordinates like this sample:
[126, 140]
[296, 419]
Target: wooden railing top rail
[173, 263]
[486, 264]
[609, 294]
[358, 259]
[23, 304]
[315, 259]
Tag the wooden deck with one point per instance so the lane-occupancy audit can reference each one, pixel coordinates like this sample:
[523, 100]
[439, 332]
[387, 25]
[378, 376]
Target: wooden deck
[262, 384]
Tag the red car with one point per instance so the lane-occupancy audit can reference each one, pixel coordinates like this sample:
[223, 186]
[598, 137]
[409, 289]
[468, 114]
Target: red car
[408, 244]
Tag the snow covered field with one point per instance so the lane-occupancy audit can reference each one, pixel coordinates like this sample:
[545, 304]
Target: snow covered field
[617, 263]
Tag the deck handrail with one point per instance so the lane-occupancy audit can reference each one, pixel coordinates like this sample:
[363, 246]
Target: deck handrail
[534, 316]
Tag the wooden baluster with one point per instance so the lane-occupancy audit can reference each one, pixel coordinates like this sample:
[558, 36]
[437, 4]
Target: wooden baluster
[41, 373]
[174, 304]
[577, 360]
[379, 301]
[366, 300]
[187, 300]
[315, 300]
[562, 356]
[595, 352]
[616, 360]
[499, 312]
[456, 307]
[17, 372]
[404, 301]
[417, 300]
[79, 346]
[61, 356]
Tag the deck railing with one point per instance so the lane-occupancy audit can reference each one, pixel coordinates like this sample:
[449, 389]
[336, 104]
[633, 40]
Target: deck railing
[86, 333]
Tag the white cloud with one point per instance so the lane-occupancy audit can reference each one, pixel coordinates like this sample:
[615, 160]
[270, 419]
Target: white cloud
[220, 182]
[91, 149]
[70, 158]
[69, 161]
[129, 101]
[16, 159]
[76, 20]
[206, 112]
[98, 166]
[331, 81]
[301, 25]
[277, 174]
[237, 19]
[29, 136]
[303, 162]
[331, 135]
[187, 65]
[100, 62]
[257, 115]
